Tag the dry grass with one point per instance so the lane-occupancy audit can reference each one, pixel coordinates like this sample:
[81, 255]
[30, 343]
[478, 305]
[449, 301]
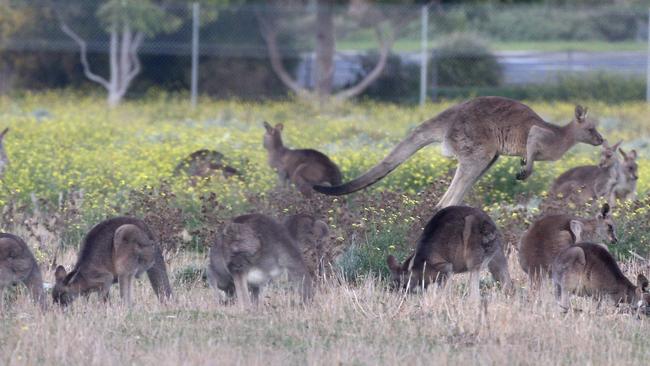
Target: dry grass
[362, 324]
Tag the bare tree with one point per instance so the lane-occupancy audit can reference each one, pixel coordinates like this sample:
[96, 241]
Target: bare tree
[385, 27]
[127, 23]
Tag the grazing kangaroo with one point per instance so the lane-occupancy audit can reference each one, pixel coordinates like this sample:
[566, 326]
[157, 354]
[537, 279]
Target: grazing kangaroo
[457, 239]
[477, 132]
[205, 163]
[310, 235]
[584, 183]
[4, 160]
[588, 269]
[302, 167]
[17, 264]
[252, 250]
[625, 188]
[550, 235]
[114, 251]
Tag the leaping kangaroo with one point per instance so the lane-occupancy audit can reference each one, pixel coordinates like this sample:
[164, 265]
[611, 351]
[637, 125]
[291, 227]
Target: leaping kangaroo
[476, 132]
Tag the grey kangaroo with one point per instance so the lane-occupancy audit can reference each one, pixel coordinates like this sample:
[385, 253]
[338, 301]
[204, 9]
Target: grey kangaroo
[477, 132]
[252, 250]
[550, 235]
[114, 251]
[302, 167]
[17, 264]
[457, 239]
[625, 188]
[584, 183]
[588, 269]
[310, 235]
[4, 160]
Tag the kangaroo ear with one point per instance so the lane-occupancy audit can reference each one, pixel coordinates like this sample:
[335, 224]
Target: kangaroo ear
[581, 113]
[576, 228]
[605, 211]
[279, 127]
[3, 133]
[633, 154]
[59, 274]
[393, 264]
[268, 127]
[642, 282]
[623, 154]
[616, 145]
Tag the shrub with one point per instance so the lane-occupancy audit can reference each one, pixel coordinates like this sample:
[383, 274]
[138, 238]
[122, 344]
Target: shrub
[464, 60]
[399, 81]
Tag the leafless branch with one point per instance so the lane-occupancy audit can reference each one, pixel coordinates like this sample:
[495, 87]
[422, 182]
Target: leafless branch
[83, 55]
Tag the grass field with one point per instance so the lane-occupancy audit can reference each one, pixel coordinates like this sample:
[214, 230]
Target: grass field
[79, 162]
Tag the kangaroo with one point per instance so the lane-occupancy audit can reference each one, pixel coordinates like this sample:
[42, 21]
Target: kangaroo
[205, 163]
[17, 264]
[114, 251]
[625, 188]
[584, 183]
[302, 167]
[552, 234]
[4, 160]
[477, 132]
[457, 239]
[309, 234]
[252, 250]
[588, 269]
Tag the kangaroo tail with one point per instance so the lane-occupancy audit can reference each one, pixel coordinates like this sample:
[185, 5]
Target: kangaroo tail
[158, 277]
[423, 135]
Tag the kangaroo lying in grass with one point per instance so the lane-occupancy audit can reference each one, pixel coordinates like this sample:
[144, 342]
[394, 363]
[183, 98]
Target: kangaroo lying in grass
[17, 264]
[457, 239]
[550, 235]
[205, 163]
[588, 269]
[4, 160]
[114, 251]
[590, 182]
[253, 250]
[477, 132]
[302, 167]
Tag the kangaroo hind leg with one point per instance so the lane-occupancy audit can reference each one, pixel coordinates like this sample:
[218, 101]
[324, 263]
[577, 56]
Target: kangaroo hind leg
[468, 172]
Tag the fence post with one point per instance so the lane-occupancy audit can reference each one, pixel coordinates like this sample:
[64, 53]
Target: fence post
[647, 74]
[195, 53]
[424, 50]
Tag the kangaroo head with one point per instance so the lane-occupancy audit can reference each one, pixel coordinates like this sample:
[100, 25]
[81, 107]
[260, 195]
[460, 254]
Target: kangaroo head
[273, 136]
[241, 238]
[585, 129]
[642, 294]
[608, 154]
[405, 276]
[602, 227]
[630, 167]
[63, 293]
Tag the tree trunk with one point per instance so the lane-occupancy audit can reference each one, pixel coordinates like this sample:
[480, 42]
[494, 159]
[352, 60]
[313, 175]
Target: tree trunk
[325, 47]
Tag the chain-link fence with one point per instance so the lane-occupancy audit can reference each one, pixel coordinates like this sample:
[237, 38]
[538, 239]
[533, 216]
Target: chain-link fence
[396, 53]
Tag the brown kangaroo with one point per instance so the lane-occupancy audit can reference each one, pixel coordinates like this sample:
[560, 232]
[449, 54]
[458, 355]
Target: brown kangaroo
[584, 183]
[4, 160]
[252, 250]
[17, 264]
[310, 235]
[550, 235]
[588, 269]
[302, 167]
[625, 188]
[205, 163]
[115, 250]
[457, 239]
[476, 132]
